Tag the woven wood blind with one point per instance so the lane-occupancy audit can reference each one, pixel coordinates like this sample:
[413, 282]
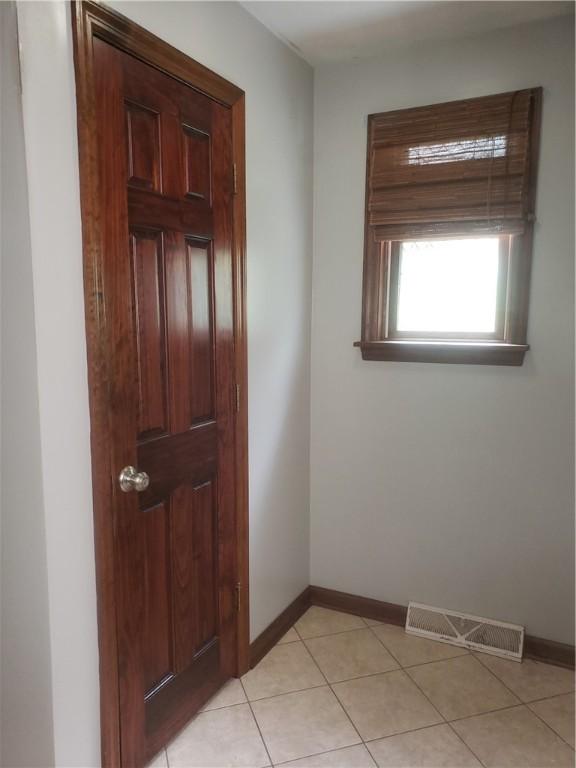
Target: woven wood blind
[460, 167]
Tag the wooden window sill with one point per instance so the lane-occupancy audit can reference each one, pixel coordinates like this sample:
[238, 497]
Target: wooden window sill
[466, 352]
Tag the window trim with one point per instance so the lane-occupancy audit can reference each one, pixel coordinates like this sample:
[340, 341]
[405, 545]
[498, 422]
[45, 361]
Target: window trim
[381, 342]
[376, 341]
[464, 352]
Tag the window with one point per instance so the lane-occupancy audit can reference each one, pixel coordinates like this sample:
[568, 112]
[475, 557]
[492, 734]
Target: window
[448, 287]
[450, 193]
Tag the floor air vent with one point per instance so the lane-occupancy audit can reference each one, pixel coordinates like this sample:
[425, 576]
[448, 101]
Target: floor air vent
[467, 631]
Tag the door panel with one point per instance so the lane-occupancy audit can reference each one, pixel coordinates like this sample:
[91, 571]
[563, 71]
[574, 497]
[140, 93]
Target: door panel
[200, 277]
[143, 136]
[157, 638]
[165, 167]
[150, 317]
[197, 162]
[195, 566]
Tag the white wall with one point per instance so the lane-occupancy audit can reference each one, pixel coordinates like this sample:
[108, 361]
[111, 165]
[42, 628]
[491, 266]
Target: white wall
[25, 674]
[53, 191]
[279, 105]
[450, 485]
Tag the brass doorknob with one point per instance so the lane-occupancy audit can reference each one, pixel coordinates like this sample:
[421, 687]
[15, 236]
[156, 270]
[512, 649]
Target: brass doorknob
[132, 480]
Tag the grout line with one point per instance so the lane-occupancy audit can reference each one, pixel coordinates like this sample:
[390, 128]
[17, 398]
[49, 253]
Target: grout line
[222, 706]
[326, 752]
[324, 685]
[428, 699]
[547, 698]
[468, 747]
[488, 712]
[386, 647]
[342, 707]
[403, 733]
[550, 728]
[423, 728]
[166, 755]
[316, 664]
[207, 712]
[446, 722]
[331, 634]
[520, 705]
[442, 716]
[534, 701]
[495, 676]
[285, 693]
[436, 661]
[413, 666]
[257, 723]
[548, 724]
[215, 709]
[464, 652]
[301, 690]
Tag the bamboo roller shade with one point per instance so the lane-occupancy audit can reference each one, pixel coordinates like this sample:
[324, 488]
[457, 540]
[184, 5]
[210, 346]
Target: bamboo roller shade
[454, 168]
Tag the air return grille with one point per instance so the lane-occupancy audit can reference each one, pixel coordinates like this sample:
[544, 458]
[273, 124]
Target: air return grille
[467, 631]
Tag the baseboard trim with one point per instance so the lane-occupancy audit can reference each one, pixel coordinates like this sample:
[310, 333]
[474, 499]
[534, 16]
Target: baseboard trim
[537, 648]
[281, 624]
[359, 606]
[560, 654]
[549, 651]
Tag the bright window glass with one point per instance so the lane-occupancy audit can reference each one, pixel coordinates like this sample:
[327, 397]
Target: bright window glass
[457, 151]
[448, 286]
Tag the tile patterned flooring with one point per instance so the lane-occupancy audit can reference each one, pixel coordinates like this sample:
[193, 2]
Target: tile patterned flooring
[339, 691]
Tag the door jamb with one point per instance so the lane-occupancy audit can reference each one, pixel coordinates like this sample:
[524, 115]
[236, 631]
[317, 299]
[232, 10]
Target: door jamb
[89, 20]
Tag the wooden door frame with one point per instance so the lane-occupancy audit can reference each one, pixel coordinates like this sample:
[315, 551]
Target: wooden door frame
[90, 20]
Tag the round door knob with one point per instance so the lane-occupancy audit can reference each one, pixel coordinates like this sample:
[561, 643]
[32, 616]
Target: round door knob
[132, 480]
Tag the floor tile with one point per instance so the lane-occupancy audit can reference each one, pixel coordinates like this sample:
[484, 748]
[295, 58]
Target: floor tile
[529, 679]
[435, 747]
[224, 737]
[290, 637]
[461, 687]
[159, 761]
[386, 704]
[558, 712]
[230, 694]
[373, 622]
[286, 668]
[409, 650]
[319, 621]
[350, 654]
[306, 723]
[514, 738]
[349, 757]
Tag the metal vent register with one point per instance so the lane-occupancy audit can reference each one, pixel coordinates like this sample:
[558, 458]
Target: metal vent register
[467, 631]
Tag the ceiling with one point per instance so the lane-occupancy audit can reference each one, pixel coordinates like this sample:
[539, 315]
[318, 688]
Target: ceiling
[338, 30]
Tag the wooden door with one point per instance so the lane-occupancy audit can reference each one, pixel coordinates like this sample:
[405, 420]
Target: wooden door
[166, 183]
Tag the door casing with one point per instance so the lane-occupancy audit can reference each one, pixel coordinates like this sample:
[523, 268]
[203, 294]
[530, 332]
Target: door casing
[90, 20]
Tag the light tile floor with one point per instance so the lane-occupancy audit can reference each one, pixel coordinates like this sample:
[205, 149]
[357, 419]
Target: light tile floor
[339, 691]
